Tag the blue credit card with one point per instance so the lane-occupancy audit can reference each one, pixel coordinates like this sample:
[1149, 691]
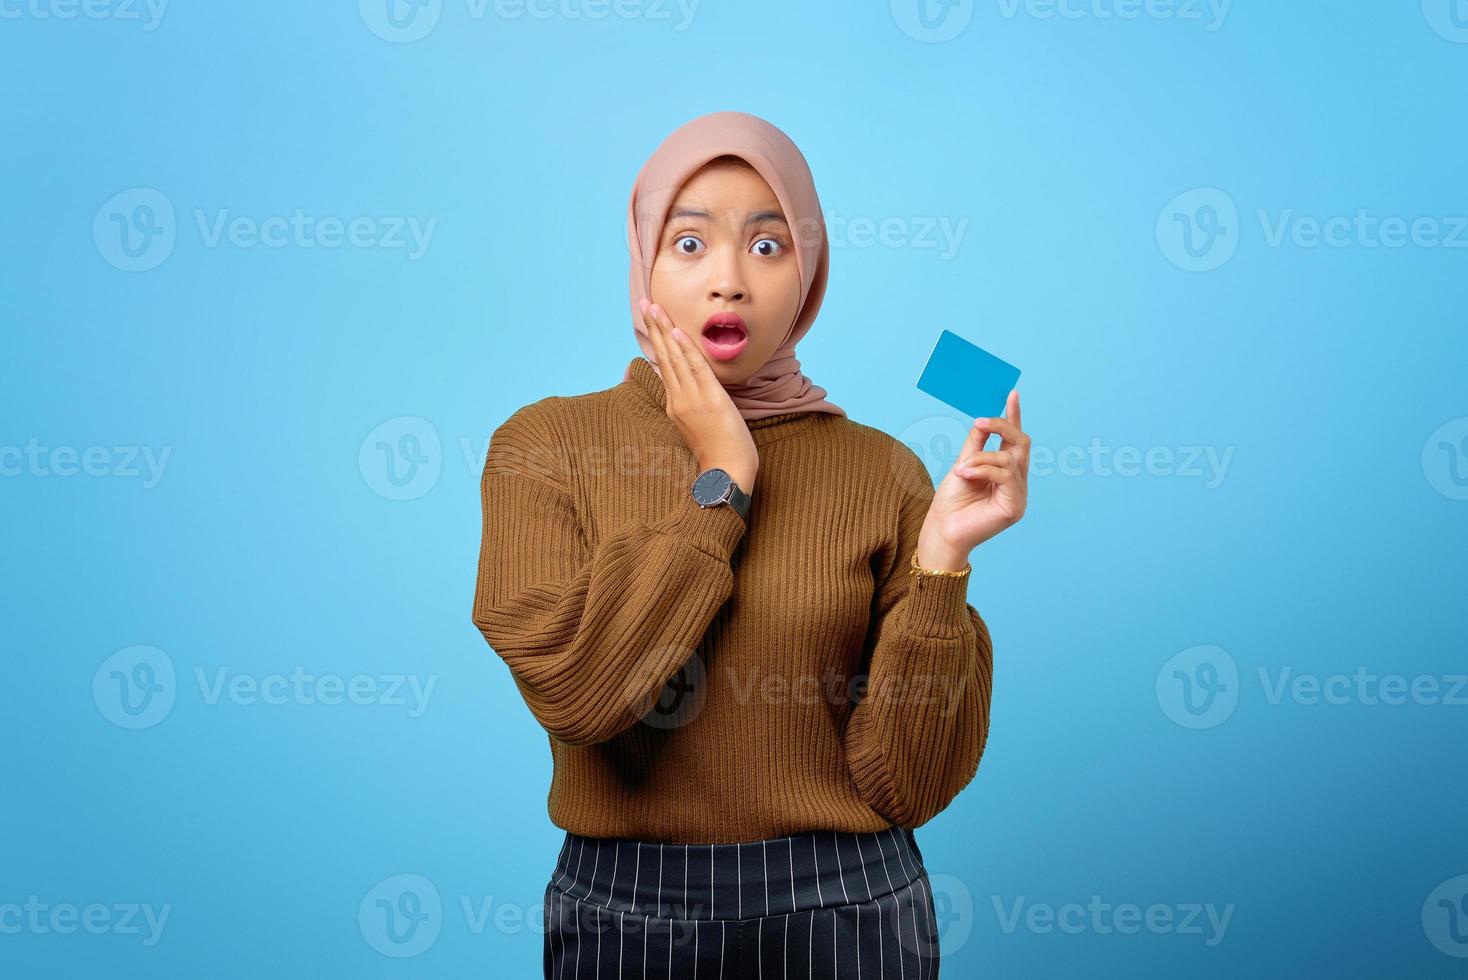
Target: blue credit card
[968, 377]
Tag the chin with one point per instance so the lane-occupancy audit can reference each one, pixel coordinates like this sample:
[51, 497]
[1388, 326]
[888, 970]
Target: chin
[742, 368]
[729, 372]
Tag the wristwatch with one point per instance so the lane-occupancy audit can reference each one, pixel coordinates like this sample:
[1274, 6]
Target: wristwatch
[715, 486]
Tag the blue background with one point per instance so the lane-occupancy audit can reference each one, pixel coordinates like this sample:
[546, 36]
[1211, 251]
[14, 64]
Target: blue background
[280, 536]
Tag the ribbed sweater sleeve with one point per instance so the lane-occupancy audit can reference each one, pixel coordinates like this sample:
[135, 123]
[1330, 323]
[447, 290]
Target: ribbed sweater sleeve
[591, 632]
[915, 740]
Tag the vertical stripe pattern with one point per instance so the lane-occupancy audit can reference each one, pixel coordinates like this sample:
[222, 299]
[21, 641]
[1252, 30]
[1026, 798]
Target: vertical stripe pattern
[822, 904]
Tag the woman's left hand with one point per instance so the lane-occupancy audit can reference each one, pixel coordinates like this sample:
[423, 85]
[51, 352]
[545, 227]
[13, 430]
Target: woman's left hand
[981, 494]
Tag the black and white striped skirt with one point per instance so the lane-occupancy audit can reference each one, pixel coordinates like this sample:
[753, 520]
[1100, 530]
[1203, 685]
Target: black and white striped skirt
[820, 904]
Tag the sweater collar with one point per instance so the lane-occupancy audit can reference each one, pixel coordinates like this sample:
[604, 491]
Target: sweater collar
[644, 393]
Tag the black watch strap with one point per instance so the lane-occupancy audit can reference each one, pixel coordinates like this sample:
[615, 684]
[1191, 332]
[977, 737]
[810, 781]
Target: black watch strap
[739, 500]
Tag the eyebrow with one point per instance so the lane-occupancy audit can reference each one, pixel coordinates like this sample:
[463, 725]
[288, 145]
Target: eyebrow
[754, 218]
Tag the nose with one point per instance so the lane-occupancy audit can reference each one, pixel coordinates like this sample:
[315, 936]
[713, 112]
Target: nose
[728, 281]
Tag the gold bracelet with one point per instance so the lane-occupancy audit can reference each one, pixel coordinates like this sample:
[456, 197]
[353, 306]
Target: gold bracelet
[920, 570]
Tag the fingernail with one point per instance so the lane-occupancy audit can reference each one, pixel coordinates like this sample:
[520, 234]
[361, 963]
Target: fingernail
[981, 422]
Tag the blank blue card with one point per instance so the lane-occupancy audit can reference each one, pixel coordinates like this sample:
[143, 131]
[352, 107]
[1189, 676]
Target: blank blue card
[968, 377]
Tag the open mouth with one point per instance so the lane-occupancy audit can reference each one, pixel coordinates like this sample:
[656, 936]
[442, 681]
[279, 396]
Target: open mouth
[725, 336]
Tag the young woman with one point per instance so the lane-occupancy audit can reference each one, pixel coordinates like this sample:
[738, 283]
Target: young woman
[740, 616]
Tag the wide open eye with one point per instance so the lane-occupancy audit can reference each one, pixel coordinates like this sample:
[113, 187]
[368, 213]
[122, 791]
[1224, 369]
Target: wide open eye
[778, 247]
[678, 244]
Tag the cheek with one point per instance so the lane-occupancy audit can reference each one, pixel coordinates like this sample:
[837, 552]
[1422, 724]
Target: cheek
[781, 314]
[674, 293]
[782, 286]
[765, 343]
[668, 287]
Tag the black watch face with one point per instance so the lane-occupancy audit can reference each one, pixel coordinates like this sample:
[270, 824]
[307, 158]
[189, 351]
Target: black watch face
[711, 486]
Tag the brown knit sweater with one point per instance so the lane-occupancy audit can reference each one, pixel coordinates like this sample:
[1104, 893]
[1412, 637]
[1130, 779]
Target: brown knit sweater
[704, 682]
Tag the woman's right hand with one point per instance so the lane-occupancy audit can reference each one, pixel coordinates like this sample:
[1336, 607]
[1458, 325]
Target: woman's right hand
[699, 406]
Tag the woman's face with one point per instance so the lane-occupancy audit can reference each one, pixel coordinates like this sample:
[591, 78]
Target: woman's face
[727, 249]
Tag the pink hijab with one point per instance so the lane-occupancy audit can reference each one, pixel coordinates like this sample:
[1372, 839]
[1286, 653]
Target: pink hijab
[778, 386]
